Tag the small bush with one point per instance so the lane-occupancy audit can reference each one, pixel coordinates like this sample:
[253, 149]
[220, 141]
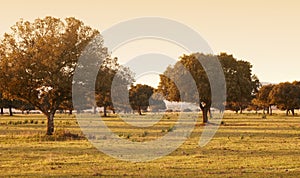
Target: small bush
[31, 121]
[170, 129]
[169, 110]
[36, 122]
[187, 110]
[145, 133]
[26, 121]
[43, 122]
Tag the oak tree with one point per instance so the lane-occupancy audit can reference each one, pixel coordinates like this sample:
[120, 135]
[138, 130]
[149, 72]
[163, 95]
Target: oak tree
[39, 61]
[241, 84]
[176, 77]
[139, 96]
[111, 71]
[286, 96]
[262, 98]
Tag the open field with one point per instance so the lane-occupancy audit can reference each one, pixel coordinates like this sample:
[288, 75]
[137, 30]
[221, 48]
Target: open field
[245, 146]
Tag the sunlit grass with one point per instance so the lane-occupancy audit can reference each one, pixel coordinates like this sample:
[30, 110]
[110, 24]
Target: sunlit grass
[245, 146]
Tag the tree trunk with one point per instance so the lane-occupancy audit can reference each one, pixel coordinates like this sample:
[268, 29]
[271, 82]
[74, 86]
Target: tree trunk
[104, 111]
[50, 123]
[10, 111]
[293, 111]
[264, 111]
[241, 110]
[204, 114]
[270, 107]
[204, 108]
[70, 112]
[95, 109]
[2, 111]
[287, 112]
[140, 111]
[210, 114]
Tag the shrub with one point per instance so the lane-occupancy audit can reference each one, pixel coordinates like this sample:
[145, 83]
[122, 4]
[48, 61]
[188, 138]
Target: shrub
[187, 110]
[145, 133]
[170, 129]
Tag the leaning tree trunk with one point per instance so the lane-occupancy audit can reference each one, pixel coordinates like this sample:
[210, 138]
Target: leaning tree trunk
[50, 123]
[287, 112]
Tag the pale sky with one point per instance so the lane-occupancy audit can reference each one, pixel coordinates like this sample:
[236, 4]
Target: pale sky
[265, 33]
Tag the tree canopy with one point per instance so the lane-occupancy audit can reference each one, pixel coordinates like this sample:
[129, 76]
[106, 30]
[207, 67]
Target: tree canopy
[286, 96]
[139, 97]
[38, 60]
[240, 83]
[262, 99]
[111, 71]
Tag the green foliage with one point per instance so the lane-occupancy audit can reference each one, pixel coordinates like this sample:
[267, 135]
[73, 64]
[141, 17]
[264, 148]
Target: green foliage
[262, 99]
[139, 96]
[241, 84]
[111, 71]
[286, 96]
[38, 61]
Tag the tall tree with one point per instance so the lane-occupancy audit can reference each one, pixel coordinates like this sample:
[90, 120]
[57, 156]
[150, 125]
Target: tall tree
[39, 61]
[111, 71]
[241, 84]
[286, 96]
[178, 74]
[139, 96]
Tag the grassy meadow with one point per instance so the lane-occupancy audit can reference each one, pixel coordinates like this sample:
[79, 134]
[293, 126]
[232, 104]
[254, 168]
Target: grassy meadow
[246, 145]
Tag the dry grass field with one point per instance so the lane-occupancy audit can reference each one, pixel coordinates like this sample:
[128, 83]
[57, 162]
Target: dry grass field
[246, 145]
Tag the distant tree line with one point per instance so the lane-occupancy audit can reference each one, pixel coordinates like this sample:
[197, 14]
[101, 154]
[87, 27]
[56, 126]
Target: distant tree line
[285, 96]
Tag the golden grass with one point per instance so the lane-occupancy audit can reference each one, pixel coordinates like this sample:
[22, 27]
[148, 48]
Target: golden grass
[245, 146]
